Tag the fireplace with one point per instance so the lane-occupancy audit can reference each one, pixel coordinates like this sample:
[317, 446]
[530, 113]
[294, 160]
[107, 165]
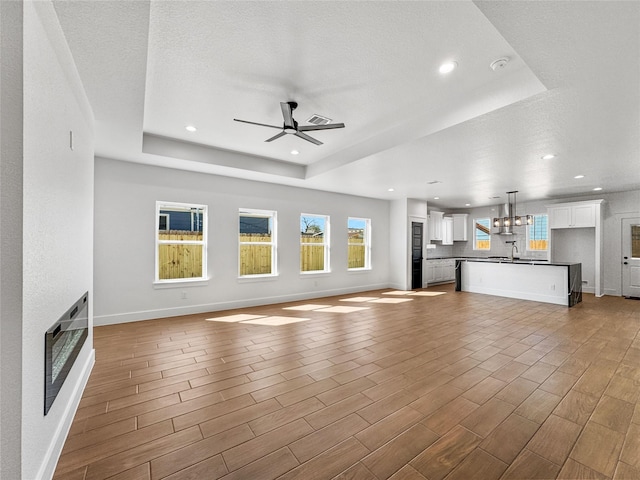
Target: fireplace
[62, 344]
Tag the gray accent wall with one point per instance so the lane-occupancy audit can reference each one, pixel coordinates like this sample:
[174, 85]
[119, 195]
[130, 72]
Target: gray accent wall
[125, 199]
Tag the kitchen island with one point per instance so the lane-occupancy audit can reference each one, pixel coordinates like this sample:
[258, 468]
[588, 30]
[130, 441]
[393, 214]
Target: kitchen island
[559, 283]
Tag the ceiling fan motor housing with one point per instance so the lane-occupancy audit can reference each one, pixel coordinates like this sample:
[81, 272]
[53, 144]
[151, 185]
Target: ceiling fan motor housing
[290, 126]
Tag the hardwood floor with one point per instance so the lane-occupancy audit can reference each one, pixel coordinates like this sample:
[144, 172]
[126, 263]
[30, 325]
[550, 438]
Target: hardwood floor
[451, 386]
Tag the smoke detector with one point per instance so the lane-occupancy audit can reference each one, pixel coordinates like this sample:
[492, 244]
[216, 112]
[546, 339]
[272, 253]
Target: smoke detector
[499, 64]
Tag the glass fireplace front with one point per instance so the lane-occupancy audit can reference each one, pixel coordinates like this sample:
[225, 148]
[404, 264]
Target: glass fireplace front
[62, 343]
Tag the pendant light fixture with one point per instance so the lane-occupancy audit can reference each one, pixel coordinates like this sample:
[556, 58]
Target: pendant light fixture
[510, 219]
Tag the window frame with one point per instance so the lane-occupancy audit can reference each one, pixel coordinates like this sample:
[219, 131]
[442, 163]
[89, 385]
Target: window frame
[273, 216]
[366, 241]
[528, 234]
[160, 205]
[325, 243]
[475, 234]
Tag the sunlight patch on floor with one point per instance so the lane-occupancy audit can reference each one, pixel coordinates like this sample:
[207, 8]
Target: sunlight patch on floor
[358, 299]
[342, 309]
[398, 292]
[308, 306]
[275, 320]
[392, 300]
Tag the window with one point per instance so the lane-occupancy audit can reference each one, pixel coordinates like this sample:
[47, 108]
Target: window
[181, 231]
[257, 237]
[538, 234]
[314, 243]
[359, 243]
[482, 234]
[163, 221]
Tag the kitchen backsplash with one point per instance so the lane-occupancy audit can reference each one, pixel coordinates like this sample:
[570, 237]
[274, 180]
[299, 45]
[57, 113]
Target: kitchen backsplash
[499, 248]
[440, 251]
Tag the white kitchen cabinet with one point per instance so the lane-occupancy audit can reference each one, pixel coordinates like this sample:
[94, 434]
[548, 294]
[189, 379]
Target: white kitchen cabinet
[460, 227]
[579, 215]
[449, 270]
[441, 270]
[566, 216]
[447, 231]
[435, 225]
[431, 272]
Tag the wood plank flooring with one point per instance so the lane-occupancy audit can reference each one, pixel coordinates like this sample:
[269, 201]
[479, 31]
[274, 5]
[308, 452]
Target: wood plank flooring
[451, 386]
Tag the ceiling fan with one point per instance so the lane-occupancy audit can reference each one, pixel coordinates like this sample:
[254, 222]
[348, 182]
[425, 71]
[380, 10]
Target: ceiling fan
[290, 126]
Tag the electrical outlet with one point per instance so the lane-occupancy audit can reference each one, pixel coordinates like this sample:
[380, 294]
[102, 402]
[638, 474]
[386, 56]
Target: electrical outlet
[183, 295]
[553, 287]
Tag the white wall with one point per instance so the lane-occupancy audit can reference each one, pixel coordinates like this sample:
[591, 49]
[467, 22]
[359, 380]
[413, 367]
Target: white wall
[125, 198]
[57, 229]
[11, 46]
[398, 245]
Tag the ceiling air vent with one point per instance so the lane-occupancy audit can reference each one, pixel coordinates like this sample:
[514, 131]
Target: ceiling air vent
[318, 120]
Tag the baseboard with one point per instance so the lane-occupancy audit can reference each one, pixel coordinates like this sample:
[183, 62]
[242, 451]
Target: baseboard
[102, 320]
[48, 467]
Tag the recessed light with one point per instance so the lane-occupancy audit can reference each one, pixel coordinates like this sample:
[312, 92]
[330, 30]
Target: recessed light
[579, 176]
[597, 189]
[294, 152]
[436, 198]
[190, 128]
[548, 156]
[467, 204]
[391, 190]
[448, 67]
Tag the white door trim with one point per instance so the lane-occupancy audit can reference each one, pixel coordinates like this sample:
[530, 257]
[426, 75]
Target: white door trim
[630, 265]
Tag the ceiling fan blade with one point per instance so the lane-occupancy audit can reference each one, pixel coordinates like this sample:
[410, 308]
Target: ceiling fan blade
[287, 114]
[328, 126]
[308, 138]
[281, 134]
[256, 123]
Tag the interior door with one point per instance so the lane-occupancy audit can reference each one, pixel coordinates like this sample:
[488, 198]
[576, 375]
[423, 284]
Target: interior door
[416, 254]
[631, 257]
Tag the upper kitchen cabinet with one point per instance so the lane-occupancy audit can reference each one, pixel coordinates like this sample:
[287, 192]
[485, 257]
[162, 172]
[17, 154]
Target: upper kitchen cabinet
[435, 225]
[460, 226]
[573, 215]
[447, 231]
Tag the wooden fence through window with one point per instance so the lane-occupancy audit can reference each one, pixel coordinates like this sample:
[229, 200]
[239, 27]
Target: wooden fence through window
[179, 260]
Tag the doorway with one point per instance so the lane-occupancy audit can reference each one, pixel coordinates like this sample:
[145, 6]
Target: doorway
[416, 254]
[631, 257]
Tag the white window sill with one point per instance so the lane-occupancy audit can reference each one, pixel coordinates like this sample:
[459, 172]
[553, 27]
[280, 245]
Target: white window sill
[258, 278]
[359, 270]
[181, 283]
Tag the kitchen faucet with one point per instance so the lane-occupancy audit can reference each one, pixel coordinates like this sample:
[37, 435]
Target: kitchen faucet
[513, 247]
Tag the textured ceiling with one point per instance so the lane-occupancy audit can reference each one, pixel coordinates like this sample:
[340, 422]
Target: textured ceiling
[571, 87]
